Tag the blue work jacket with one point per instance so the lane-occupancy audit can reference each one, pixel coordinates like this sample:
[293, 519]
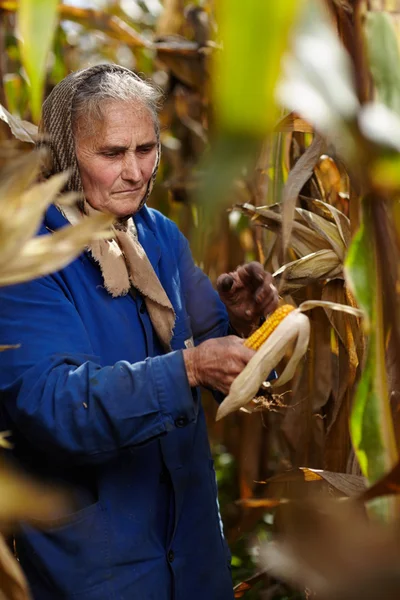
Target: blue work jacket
[94, 402]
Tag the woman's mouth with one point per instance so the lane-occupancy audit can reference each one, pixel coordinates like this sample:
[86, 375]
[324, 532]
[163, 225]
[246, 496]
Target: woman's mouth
[129, 191]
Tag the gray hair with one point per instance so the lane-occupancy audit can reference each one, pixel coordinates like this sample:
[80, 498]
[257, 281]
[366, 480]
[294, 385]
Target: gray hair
[112, 85]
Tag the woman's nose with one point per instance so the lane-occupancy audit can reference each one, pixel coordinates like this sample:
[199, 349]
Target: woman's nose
[131, 168]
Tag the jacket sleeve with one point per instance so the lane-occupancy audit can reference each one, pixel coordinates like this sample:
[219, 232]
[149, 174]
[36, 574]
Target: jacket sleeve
[208, 315]
[61, 400]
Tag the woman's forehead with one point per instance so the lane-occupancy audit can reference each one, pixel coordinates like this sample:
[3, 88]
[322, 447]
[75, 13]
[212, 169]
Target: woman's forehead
[123, 123]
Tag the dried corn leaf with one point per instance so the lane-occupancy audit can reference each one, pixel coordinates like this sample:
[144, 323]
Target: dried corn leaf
[389, 484]
[308, 269]
[13, 585]
[17, 176]
[111, 25]
[48, 253]
[262, 502]
[4, 442]
[304, 241]
[342, 222]
[23, 215]
[343, 483]
[22, 499]
[293, 122]
[298, 176]
[325, 229]
[22, 130]
[343, 308]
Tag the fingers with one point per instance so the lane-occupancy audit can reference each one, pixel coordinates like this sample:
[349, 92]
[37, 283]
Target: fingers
[224, 283]
[252, 275]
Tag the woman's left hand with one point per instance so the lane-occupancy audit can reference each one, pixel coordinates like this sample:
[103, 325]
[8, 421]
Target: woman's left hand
[248, 294]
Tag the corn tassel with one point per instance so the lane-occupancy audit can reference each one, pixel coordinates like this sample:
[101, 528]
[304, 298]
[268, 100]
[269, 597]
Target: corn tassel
[262, 333]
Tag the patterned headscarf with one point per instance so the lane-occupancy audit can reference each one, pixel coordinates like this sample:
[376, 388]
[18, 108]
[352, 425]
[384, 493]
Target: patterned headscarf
[57, 131]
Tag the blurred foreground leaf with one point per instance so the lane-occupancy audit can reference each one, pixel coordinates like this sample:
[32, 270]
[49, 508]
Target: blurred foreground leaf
[13, 585]
[37, 21]
[318, 82]
[371, 423]
[22, 207]
[254, 36]
[384, 58]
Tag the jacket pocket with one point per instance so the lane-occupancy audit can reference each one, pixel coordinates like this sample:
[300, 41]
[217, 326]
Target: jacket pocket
[70, 554]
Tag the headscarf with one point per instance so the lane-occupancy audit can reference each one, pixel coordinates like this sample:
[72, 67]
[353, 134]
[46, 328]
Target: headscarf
[122, 259]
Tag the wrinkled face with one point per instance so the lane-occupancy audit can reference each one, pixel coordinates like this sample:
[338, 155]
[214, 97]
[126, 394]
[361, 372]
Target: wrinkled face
[117, 159]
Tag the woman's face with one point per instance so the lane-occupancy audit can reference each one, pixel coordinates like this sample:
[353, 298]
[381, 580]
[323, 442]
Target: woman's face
[117, 159]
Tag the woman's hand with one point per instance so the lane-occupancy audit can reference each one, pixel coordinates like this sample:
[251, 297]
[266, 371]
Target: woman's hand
[248, 294]
[217, 362]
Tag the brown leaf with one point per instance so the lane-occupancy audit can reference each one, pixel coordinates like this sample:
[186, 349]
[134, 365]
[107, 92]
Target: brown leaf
[112, 25]
[22, 130]
[184, 60]
[303, 241]
[293, 122]
[343, 483]
[13, 585]
[241, 588]
[387, 486]
[298, 176]
[326, 230]
[171, 18]
[262, 502]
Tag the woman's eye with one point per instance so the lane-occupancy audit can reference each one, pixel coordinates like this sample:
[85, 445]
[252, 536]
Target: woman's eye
[110, 154]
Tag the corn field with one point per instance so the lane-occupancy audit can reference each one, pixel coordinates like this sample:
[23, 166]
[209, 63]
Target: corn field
[280, 134]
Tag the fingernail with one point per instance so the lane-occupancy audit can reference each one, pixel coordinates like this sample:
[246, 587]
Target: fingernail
[248, 313]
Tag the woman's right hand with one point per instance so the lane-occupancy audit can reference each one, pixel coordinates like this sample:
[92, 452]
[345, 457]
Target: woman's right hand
[216, 362]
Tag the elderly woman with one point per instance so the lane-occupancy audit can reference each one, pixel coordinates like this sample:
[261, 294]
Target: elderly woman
[102, 394]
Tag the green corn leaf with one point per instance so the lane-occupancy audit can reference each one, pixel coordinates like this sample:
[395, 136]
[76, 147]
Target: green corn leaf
[37, 20]
[254, 37]
[384, 57]
[371, 424]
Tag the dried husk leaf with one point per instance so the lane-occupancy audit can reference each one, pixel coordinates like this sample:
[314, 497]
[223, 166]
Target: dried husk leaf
[23, 214]
[350, 310]
[48, 253]
[294, 328]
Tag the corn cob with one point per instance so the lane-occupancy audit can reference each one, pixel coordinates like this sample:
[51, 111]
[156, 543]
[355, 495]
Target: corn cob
[262, 333]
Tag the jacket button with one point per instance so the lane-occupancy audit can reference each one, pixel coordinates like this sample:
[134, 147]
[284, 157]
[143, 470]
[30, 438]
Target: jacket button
[171, 556]
[181, 421]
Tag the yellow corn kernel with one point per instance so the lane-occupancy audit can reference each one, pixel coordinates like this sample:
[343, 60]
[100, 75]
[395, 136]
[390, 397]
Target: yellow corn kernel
[262, 333]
